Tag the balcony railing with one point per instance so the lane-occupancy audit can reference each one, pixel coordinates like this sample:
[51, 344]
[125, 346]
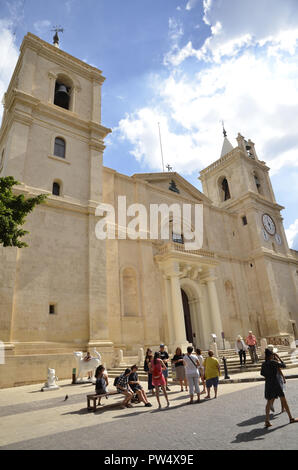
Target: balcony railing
[174, 247]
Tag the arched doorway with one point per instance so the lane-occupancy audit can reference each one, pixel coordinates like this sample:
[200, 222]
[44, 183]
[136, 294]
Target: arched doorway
[187, 317]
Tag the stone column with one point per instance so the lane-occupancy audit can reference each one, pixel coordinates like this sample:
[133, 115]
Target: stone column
[167, 292]
[52, 81]
[177, 312]
[214, 306]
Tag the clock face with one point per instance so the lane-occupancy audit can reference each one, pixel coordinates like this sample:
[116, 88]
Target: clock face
[265, 235]
[269, 225]
[278, 239]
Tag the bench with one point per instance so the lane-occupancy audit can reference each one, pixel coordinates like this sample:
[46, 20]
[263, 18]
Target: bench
[94, 397]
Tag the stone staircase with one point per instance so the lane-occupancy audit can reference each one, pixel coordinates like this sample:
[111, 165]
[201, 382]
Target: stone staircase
[231, 356]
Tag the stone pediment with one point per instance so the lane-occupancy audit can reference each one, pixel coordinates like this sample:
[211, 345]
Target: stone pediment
[173, 183]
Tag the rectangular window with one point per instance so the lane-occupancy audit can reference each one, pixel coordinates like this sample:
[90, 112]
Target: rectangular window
[177, 238]
[244, 220]
[52, 309]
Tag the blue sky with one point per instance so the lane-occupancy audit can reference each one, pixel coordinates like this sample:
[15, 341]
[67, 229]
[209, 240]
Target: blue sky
[186, 64]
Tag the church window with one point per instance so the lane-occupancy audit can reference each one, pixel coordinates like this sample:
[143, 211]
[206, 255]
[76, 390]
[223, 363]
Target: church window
[52, 309]
[56, 189]
[177, 238]
[257, 182]
[62, 94]
[244, 220]
[226, 190]
[59, 148]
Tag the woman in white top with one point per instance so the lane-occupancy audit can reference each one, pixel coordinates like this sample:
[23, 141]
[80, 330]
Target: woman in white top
[241, 349]
[201, 371]
[191, 364]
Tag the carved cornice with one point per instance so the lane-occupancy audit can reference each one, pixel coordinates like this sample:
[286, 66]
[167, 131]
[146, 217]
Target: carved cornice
[60, 57]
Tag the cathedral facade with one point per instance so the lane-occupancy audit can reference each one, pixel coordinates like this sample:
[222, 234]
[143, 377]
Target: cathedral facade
[71, 291]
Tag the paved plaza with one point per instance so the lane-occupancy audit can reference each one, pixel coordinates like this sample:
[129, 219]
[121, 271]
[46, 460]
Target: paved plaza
[31, 419]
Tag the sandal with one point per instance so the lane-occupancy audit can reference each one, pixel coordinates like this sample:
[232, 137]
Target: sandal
[267, 424]
[294, 420]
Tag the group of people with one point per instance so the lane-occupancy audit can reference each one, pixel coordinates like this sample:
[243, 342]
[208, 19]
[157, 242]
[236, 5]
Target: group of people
[189, 369]
[249, 344]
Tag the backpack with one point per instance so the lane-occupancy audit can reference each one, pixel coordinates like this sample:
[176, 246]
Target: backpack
[116, 381]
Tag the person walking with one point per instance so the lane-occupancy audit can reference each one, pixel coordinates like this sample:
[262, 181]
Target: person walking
[280, 377]
[212, 373]
[179, 368]
[273, 390]
[192, 364]
[251, 342]
[165, 358]
[156, 368]
[241, 349]
[201, 370]
[147, 362]
[136, 387]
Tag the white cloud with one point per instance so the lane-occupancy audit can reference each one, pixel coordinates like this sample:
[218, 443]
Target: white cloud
[237, 24]
[191, 4]
[257, 96]
[292, 235]
[42, 26]
[8, 57]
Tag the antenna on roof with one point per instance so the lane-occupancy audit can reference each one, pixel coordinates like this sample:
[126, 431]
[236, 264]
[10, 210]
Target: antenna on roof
[163, 165]
[57, 29]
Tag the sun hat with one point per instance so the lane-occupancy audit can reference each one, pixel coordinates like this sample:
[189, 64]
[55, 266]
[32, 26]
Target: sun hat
[272, 348]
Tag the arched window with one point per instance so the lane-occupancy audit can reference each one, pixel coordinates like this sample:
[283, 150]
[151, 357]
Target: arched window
[62, 93]
[56, 189]
[257, 182]
[59, 148]
[224, 189]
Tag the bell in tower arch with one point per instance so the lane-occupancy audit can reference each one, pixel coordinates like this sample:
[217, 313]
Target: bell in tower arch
[62, 96]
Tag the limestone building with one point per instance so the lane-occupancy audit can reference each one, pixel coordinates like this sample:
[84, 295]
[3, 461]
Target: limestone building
[71, 291]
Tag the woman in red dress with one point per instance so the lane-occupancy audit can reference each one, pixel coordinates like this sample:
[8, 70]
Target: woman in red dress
[158, 380]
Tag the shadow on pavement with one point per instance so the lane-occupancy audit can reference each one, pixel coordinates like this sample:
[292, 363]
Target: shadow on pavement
[255, 420]
[85, 411]
[255, 434]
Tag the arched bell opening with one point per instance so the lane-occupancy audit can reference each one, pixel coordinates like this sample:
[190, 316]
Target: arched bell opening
[63, 92]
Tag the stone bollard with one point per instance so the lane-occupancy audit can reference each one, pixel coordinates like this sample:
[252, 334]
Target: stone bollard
[213, 347]
[141, 357]
[118, 357]
[263, 346]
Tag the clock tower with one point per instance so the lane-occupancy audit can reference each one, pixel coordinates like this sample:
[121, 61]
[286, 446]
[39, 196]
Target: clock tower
[239, 184]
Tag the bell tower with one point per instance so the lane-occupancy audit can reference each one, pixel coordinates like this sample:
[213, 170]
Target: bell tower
[239, 186]
[52, 142]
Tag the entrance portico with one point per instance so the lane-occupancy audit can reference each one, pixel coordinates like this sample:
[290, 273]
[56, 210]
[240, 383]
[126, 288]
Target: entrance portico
[190, 292]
